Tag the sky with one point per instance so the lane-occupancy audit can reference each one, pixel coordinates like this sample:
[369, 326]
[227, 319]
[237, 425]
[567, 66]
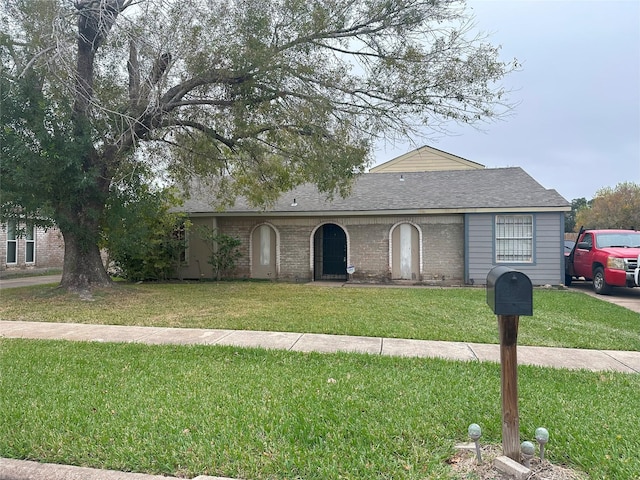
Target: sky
[576, 128]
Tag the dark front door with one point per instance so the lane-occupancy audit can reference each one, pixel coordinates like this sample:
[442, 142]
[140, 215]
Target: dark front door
[333, 253]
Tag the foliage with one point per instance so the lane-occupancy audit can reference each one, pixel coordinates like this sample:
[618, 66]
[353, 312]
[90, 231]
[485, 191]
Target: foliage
[37, 151]
[223, 250]
[577, 204]
[617, 207]
[256, 97]
[140, 233]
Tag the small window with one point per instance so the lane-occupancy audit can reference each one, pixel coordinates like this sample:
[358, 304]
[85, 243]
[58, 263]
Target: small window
[588, 239]
[12, 243]
[30, 245]
[514, 238]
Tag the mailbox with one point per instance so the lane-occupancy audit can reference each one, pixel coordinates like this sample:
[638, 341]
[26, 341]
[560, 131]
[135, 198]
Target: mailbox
[509, 292]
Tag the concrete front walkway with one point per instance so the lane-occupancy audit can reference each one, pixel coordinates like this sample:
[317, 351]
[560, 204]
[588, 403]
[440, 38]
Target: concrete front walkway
[571, 358]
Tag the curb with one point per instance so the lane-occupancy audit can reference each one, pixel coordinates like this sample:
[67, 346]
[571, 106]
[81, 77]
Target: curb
[11, 469]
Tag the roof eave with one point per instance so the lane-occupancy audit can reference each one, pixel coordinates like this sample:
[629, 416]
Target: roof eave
[370, 213]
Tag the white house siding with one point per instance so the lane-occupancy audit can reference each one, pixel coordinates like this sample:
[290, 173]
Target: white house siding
[547, 264]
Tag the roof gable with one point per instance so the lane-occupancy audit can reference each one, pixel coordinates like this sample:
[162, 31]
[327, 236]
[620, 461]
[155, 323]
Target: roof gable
[425, 159]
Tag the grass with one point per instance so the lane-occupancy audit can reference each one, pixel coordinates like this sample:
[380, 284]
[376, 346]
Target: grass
[255, 414]
[561, 318]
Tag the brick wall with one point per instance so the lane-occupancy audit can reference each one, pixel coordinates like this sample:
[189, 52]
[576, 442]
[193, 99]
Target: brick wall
[443, 249]
[370, 250]
[49, 250]
[295, 248]
[368, 245]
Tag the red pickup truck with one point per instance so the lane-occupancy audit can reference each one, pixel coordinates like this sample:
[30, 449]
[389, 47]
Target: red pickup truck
[611, 258]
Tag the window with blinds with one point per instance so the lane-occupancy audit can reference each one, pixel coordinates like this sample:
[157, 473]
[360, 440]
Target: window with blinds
[514, 238]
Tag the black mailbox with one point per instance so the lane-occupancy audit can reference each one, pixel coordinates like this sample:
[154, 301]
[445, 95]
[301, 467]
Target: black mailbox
[509, 292]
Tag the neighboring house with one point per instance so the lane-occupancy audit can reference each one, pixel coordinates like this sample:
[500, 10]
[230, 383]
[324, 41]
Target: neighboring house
[425, 217]
[24, 247]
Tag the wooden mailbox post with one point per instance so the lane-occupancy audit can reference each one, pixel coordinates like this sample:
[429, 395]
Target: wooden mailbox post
[509, 294]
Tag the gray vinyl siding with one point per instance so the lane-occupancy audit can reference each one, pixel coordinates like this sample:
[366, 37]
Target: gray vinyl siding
[549, 232]
[480, 256]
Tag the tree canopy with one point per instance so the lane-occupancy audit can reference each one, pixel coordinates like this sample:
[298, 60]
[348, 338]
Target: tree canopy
[617, 207]
[577, 204]
[256, 96]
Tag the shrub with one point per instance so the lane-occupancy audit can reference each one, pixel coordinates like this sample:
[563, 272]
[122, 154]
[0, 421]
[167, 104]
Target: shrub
[143, 238]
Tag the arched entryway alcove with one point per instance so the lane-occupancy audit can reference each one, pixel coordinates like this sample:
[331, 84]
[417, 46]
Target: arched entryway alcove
[330, 253]
[405, 252]
[264, 252]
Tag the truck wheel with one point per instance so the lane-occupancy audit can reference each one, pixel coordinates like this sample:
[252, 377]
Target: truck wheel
[599, 285]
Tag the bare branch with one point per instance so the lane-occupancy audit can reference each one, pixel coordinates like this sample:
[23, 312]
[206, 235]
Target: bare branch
[34, 59]
[133, 67]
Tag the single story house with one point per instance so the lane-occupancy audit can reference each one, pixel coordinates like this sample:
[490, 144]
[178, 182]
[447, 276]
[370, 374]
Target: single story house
[426, 217]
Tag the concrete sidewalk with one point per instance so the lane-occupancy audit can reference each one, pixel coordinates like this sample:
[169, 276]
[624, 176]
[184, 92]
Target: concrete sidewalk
[570, 358]
[25, 470]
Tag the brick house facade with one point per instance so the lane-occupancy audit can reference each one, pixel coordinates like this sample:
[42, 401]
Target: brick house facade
[367, 247]
[408, 221]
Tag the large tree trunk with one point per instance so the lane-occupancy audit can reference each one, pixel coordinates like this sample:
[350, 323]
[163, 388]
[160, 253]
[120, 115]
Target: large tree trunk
[83, 268]
[79, 218]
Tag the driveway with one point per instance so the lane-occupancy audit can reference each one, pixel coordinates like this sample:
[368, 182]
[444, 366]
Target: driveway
[27, 281]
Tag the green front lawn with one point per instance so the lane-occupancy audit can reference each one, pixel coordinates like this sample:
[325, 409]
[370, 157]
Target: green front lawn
[255, 414]
[561, 318]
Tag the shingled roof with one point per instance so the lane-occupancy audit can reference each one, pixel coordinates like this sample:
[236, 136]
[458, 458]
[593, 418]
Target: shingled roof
[459, 191]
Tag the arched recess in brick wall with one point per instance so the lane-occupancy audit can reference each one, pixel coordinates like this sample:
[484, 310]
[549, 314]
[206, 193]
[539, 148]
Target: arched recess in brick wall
[405, 251]
[329, 252]
[265, 251]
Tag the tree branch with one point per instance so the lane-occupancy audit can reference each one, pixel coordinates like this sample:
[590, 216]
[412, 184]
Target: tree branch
[216, 76]
[202, 128]
[133, 67]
